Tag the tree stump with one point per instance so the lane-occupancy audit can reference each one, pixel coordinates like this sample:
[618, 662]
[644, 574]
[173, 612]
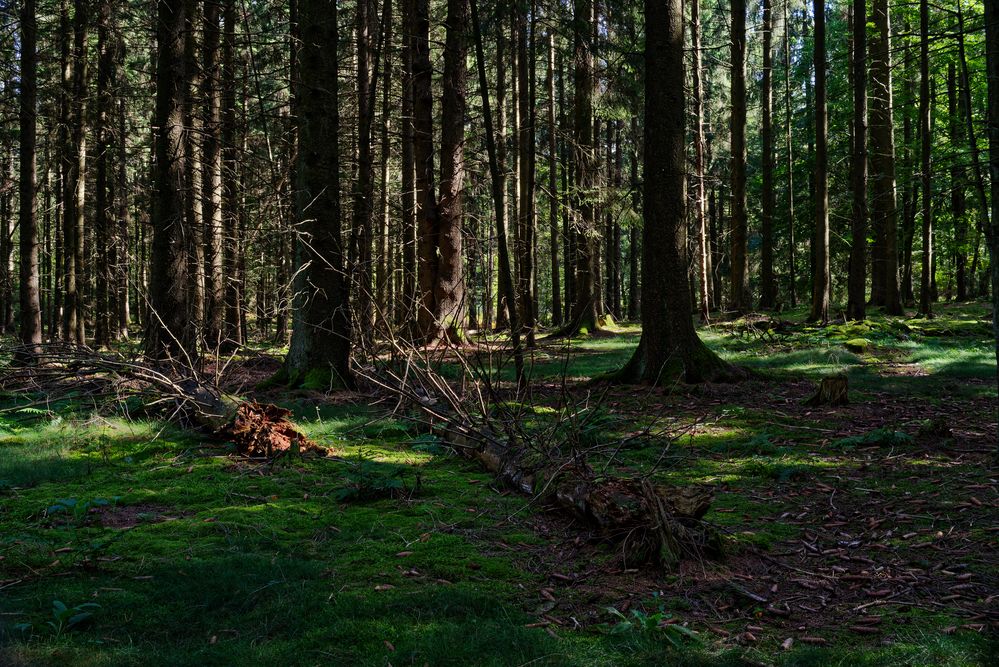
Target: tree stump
[832, 391]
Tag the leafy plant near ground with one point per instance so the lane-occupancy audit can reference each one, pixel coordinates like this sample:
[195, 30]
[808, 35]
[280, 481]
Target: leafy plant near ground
[881, 437]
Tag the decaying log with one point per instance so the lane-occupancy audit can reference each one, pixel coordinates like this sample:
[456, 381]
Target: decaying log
[652, 522]
[831, 391]
[256, 429]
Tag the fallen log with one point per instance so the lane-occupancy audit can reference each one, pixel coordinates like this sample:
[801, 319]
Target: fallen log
[652, 522]
[256, 429]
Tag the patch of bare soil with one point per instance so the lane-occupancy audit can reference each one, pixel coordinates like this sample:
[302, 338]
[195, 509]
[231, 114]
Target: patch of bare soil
[129, 516]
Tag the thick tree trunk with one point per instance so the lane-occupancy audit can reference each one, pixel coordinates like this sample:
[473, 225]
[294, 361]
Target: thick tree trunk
[75, 76]
[583, 314]
[820, 235]
[669, 349]
[30, 332]
[168, 333]
[857, 286]
[194, 221]
[409, 300]
[232, 333]
[319, 355]
[992, 70]
[740, 300]
[362, 209]
[449, 282]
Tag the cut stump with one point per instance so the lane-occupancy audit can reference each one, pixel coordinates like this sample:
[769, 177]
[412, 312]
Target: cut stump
[831, 391]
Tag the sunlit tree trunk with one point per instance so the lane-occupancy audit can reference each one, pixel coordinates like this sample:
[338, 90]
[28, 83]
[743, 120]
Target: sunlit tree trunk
[30, 330]
[768, 280]
[857, 286]
[820, 238]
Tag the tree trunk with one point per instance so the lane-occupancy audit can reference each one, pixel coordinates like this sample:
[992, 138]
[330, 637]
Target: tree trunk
[449, 282]
[232, 335]
[820, 275]
[498, 190]
[75, 182]
[583, 315]
[884, 212]
[634, 233]
[409, 298]
[30, 332]
[925, 300]
[740, 300]
[383, 273]
[788, 113]
[857, 286]
[526, 154]
[669, 348]
[211, 179]
[958, 187]
[362, 209]
[169, 334]
[194, 220]
[553, 193]
[992, 71]
[768, 287]
[319, 355]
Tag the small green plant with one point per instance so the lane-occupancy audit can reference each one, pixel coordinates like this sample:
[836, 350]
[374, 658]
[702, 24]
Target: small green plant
[66, 618]
[881, 437]
[78, 510]
[369, 480]
[660, 622]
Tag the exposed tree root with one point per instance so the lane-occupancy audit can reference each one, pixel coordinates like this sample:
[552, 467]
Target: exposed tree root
[831, 391]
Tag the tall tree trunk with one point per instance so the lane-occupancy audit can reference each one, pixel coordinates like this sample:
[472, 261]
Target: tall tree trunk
[409, 299]
[232, 334]
[362, 209]
[525, 77]
[979, 181]
[553, 193]
[700, 206]
[193, 132]
[768, 287]
[884, 212]
[788, 113]
[820, 275]
[958, 186]
[75, 75]
[427, 218]
[669, 348]
[857, 287]
[910, 189]
[925, 307]
[740, 301]
[992, 71]
[383, 277]
[30, 332]
[211, 179]
[104, 258]
[319, 355]
[449, 283]
[634, 233]
[169, 334]
[498, 189]
[584, 304]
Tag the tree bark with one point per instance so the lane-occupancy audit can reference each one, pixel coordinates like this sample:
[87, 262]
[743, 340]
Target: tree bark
[669, 349]
[857, 286]
[788, 113]
[30, 332]
[526, 153]
[740, 300]
[958, 186]
[553, 193]
[820, 275]
[925, 300]
[884, 212]
[409, 298]
[992, 71]
[498, 193]
[168, 333]
[211, 179]
[768, 280]
[319, 355]
[232, 334]
[583, 313]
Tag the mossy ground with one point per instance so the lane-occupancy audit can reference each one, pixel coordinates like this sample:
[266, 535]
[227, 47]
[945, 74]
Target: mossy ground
[198, 558]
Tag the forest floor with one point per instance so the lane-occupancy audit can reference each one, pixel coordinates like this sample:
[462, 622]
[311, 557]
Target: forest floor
[862, 534]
